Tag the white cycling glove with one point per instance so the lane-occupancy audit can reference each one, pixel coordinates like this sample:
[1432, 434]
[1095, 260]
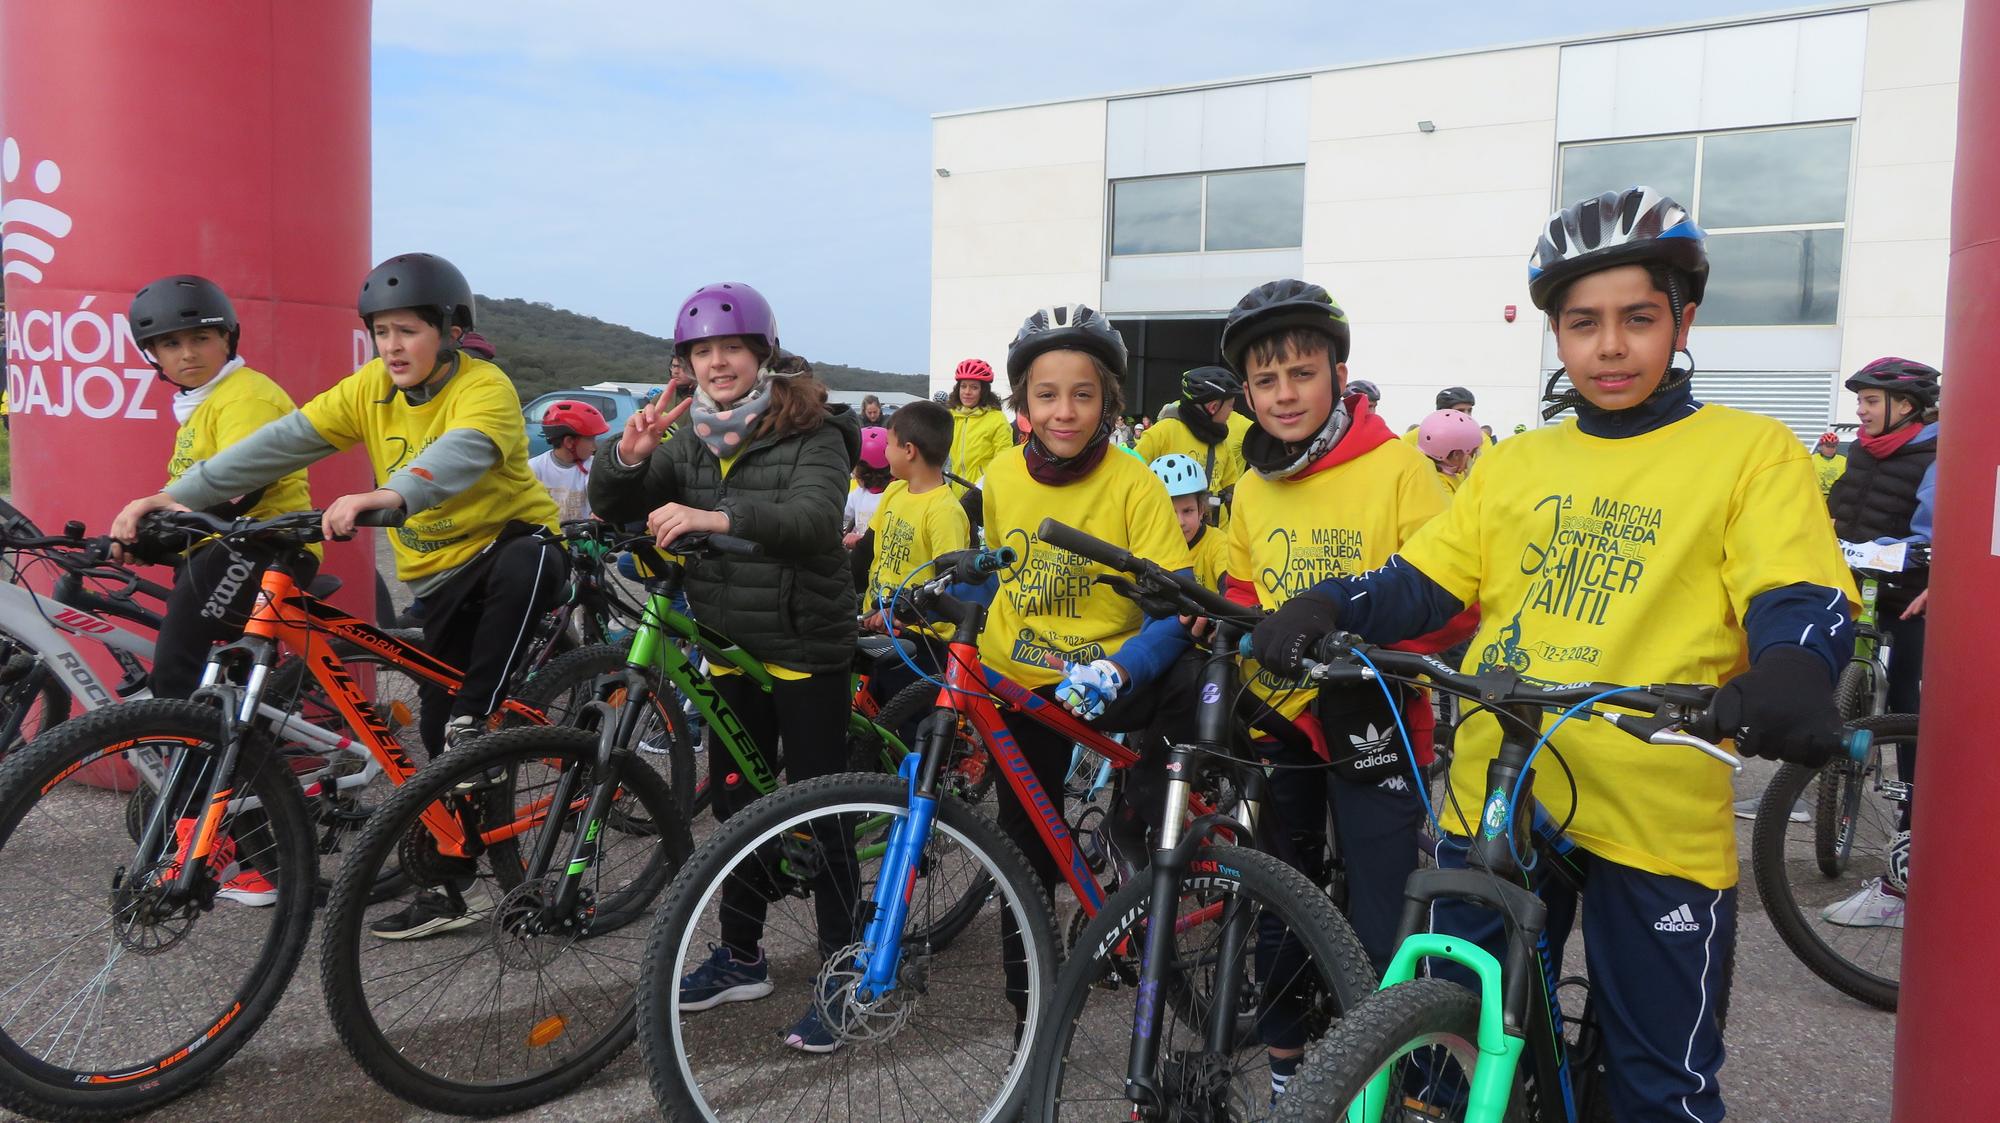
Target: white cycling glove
[1087, 688]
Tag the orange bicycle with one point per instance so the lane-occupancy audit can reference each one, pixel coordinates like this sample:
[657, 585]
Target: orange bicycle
[159, 860]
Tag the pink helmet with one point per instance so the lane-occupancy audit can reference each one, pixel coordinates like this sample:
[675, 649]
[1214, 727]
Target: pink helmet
[875, 446]
[1448, 431]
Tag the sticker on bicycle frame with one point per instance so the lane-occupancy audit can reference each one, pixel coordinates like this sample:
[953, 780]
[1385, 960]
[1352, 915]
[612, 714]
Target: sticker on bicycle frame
[1494, 819]
[1211, 693]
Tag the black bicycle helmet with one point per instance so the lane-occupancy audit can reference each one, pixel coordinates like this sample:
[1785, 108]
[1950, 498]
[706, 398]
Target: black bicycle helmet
[1076, 327]
[1452, 396]
[1279, 305]
[1367, 390]
[180, 302]
[1636, 226]
[1210, 384]
[418, 280]
[1907, 377]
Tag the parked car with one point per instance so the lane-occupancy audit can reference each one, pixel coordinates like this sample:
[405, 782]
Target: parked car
[615, 401]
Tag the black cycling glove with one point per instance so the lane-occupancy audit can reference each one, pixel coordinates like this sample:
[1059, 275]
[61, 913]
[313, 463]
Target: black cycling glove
[1282, 640]
[1781, 708]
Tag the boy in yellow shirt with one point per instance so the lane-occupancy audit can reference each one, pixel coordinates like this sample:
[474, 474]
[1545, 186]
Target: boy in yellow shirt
[1206, 426]
[919, 519]
[1187, 486]
[1652, 539]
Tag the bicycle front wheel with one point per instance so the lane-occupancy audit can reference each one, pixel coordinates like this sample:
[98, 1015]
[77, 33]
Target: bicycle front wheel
[1841, 920]
[475, 997]
[597, 673]
[950, 1041]
[1422, 1036]
[1245, 923]
[118, 994]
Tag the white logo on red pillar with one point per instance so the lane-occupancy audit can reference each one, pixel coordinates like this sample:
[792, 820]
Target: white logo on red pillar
[27, 225]
[59, 361]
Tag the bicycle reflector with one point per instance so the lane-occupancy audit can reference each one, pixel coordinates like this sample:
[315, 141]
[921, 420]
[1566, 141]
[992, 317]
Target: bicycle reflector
[547, 1030]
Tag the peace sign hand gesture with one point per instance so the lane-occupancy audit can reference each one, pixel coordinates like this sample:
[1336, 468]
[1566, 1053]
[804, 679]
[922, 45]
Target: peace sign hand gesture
[645, 429]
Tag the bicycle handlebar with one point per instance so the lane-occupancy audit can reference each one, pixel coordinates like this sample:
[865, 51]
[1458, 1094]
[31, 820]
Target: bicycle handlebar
[1151, 576]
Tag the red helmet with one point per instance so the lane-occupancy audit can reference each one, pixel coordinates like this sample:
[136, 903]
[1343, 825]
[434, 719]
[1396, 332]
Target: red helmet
[573, 418]
[1828, 439]
[978, 370]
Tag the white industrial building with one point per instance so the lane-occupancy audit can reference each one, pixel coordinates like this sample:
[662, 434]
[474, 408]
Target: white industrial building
[1815, 146]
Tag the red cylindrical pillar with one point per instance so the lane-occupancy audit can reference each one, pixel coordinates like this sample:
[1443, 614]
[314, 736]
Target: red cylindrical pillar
[1946, 1034]
[227, 138]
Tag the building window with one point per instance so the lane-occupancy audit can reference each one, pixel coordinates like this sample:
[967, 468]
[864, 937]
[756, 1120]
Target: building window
[1773, 201]
[1248, 210]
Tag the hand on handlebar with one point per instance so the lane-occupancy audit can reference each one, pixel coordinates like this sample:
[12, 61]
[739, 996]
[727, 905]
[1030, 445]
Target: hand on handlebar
[337, 521]
[1283, 640]
[125, 528]
[1781, 708]
[1087, 688]
[675, 519]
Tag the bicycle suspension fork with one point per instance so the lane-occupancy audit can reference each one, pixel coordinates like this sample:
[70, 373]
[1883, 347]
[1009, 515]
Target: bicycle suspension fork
[1170, 860]
[881, 955]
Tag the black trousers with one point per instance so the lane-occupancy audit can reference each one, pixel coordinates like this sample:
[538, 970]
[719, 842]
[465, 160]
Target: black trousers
[808, 717]
[482, 621]
[215, 588]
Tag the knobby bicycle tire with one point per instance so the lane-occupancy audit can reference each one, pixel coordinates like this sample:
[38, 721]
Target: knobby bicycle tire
[1079, 1069]
[53, 843]
[933, 1022]
[1381, 1030]
[24, 693]
[1777, 878]
[562, 1029]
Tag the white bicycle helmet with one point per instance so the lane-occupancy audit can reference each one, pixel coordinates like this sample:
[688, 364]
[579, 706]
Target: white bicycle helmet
[1181, 473]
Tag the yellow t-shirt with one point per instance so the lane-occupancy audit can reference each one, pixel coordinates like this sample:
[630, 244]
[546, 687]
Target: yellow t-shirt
[364, 409]
[1289, 535]
[1627, 561]
[1211, 556]
[977, 436]
[1050, 605]
[243, 402]
[1173, 435]
[911, 529]
[1829, 469]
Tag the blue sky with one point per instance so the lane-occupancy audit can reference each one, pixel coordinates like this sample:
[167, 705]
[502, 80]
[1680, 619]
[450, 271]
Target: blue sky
[610, 157]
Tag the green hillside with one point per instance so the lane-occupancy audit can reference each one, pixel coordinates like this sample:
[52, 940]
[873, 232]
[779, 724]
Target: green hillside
[544, 348]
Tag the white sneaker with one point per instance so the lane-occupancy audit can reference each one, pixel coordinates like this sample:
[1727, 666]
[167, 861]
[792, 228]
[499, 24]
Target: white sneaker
[1871, 906]
[1747, 809]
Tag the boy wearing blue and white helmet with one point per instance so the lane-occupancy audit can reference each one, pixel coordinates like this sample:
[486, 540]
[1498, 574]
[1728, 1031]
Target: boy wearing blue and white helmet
[1187, 486]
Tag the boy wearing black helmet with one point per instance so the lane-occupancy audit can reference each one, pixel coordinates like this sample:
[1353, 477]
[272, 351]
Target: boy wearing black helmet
[444, 433]
[1652, 539]
[1206, 426]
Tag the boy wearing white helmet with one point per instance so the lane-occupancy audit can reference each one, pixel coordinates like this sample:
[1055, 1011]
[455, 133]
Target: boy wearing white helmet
[1187, 486]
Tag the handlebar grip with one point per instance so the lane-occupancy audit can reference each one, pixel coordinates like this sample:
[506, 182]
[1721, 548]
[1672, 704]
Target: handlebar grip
[1854, 744]
[384, 516]
[993, 561]
[1065, 537]
[730, 544]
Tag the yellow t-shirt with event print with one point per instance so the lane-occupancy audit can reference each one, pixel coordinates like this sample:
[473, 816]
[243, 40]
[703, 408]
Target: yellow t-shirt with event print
[365, 409]
[1628, 561]
[1289, 535]
[911, 529]
[1211, 557]
[243, 402]
[1050, 607]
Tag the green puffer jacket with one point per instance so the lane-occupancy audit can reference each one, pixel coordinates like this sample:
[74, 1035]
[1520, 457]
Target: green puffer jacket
[792, 606]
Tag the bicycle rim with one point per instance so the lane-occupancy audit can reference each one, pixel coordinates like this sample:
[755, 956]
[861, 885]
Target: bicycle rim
[512, 1007]
[950, 1042]
[1246, 923]
[114, 997]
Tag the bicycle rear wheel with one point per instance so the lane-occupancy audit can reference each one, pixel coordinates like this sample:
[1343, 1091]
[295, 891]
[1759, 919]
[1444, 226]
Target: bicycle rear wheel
[596, 674]
[1857, 948]
[113, 998]
[950, 1042]
[1296, 969]
[500, 1007]
[1423, 1034]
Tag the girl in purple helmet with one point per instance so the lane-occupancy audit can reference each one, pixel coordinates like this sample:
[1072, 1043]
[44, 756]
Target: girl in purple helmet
[759, 456]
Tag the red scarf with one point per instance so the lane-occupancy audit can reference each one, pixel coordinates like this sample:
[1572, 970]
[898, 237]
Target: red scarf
[1882, 446]
[1053, 471]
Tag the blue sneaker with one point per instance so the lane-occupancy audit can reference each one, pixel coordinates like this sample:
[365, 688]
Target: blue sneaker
[810, 1033]
[724, 978]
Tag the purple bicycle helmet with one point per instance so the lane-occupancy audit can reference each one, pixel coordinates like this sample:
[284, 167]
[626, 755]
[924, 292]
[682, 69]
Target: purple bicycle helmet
[725, 308]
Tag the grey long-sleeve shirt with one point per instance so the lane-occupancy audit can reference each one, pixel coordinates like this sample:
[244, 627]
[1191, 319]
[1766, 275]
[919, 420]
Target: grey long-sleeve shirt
[452, 463]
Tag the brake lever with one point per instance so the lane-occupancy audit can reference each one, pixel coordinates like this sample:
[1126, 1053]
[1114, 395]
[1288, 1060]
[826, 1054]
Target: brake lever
[1659, 729]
